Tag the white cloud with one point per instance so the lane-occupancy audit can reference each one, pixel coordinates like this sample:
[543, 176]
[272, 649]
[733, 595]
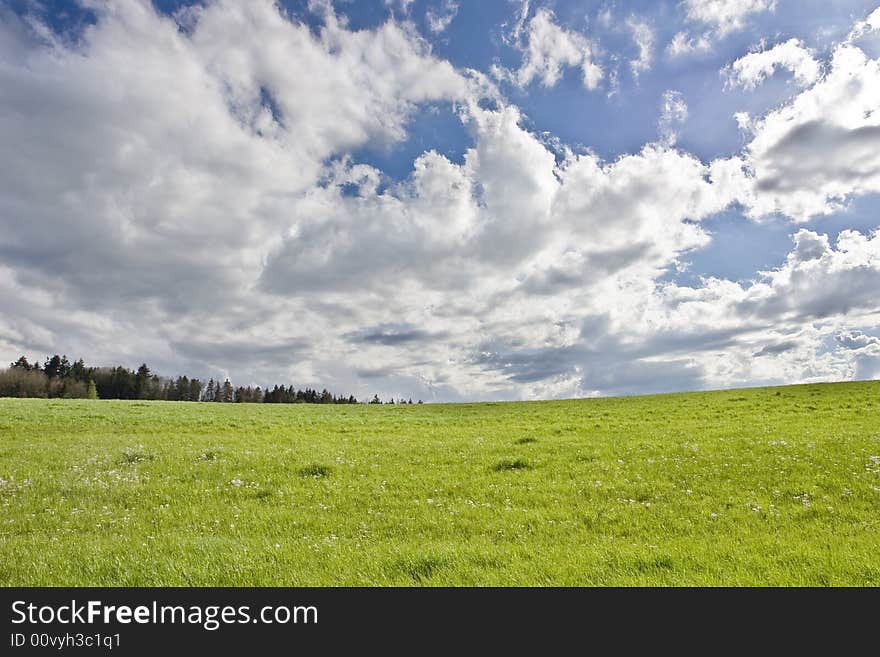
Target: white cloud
[810, 155]
[644, 37]
[857, 341]
[673, 112]
[725, 16]
[209, 174]
[347, 87]
[721, 17]
[403, 5]
[871, 23]
[807, 287]
[683, 44]
[792, 324]
[441, 18]
[177, 161]
[522, 17]
[216, 213]
[548, 49]
[778, 327]
[752, 69]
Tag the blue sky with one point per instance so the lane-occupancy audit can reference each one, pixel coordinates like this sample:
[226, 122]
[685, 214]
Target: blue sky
[476, 182]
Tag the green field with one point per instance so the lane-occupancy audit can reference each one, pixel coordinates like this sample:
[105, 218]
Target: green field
[773, 486]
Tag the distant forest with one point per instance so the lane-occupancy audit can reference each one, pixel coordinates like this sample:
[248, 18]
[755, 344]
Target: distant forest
[57, 377]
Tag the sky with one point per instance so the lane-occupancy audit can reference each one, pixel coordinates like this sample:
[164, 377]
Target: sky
[447, 200]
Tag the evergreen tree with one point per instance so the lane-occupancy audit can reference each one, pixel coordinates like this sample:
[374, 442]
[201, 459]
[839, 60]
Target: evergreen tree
[141, 381]
[227, 392]
[52, 366]
[78, 371]
[23, 364]
[57, 377]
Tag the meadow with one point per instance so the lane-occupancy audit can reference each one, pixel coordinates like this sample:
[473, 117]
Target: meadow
[772, 486]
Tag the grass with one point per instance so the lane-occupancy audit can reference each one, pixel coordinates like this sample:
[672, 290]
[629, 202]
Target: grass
[511, 464]
[776, 486]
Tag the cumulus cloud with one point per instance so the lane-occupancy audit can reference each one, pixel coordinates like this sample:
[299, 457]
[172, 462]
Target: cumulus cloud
[871, 23]
[187, 190]
[548, 49]
[810, 155]
[790, 324]
[168, 161]
[806, 287]
[751, 70]
[780, 325]
[215, 192]
[857, 340]
[725, 16]
[863, 349]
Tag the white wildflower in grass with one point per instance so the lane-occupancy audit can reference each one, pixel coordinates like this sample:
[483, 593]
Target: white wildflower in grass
[236, 482]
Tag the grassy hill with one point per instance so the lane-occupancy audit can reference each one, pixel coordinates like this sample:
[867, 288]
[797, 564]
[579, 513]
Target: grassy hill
[773, 486]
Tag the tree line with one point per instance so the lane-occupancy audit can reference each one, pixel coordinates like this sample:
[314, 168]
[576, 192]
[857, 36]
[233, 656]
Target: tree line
[57, 377]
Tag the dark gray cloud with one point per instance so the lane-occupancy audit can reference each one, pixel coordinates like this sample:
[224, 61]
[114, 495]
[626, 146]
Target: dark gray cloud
[613, 370]
[812, 295]
[814, 151]
[586, 270]
[605, 362]
[241, 351]
[391, 335]
[778, 348]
